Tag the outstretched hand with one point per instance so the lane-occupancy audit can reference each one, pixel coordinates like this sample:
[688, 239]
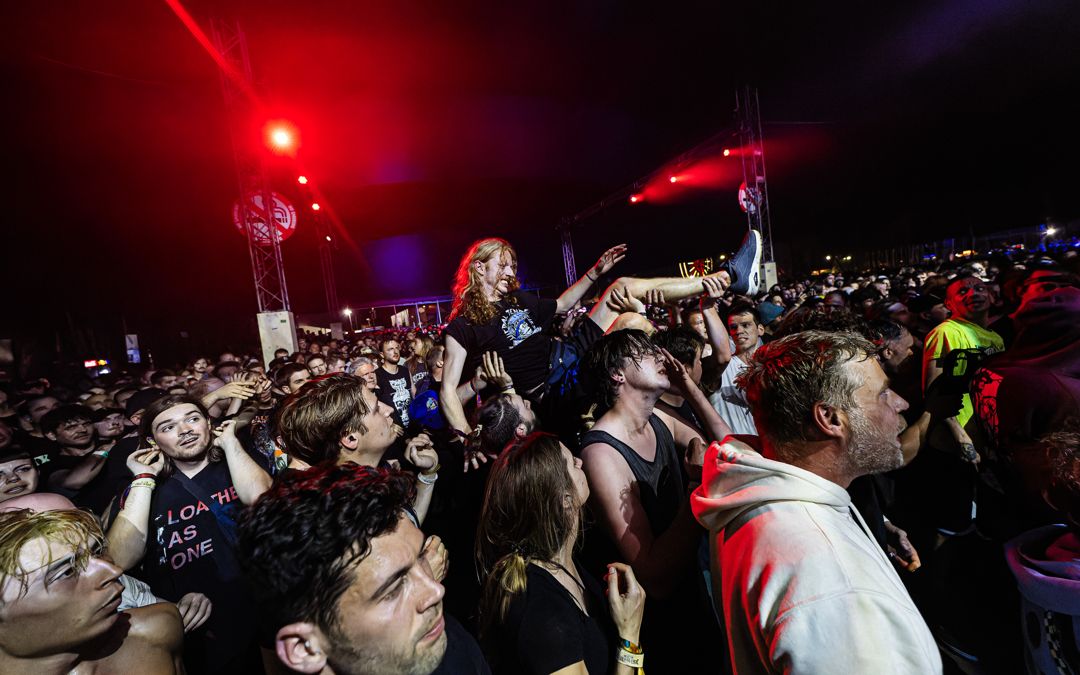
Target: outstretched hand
[494, 371]
[609, 259]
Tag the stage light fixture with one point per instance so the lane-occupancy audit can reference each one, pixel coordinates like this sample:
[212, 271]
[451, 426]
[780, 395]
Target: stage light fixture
[674, 179]
[315, 206]
[634, 199]
[327, 237]
[302, 180]
[727, 153]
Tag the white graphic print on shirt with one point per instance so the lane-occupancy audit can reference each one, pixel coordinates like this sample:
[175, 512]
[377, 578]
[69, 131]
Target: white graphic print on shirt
[518, 326]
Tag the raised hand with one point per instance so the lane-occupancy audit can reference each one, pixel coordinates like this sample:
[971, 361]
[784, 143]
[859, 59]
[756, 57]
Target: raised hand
[715, 287]
[149, 460]
[655, 297]
[421, 452]
[437, 557]
[226, 434]
[494, 372]
[621, 300]
[677, 373]
[626, 599]
[609, 259]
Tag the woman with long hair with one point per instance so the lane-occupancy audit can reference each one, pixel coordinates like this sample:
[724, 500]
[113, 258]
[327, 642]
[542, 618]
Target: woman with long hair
[539, 612]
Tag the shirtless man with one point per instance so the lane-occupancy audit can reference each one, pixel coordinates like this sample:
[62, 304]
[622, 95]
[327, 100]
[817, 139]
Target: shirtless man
[60, 592]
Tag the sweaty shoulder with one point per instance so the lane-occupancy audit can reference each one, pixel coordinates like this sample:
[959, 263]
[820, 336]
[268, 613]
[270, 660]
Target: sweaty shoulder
[158, 625]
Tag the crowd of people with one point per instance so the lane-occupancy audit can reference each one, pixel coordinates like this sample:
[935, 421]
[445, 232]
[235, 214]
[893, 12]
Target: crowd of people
[849, 473]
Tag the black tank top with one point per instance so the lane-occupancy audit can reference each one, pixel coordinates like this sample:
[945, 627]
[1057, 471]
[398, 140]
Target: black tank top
[661, 483]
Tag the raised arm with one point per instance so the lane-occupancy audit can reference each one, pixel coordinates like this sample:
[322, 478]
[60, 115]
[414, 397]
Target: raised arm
[714, 325]
[573, 295]
[128, 533]
[453, 365]
[249, 479]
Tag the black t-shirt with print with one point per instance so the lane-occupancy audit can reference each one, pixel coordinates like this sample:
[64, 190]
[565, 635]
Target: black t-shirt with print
[191, 549]
[516, 333]
[394, 391]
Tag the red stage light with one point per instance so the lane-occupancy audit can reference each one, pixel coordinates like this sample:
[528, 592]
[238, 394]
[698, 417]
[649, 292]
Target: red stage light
[634, 199]
[315, 206]
[674, 179]
[281, 136]
[727, 153]
[327, 237]
[302, 180]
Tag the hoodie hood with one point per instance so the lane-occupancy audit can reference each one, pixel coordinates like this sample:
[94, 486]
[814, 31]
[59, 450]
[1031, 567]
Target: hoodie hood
[1046, 564]
[736, 478]
[1048, 333]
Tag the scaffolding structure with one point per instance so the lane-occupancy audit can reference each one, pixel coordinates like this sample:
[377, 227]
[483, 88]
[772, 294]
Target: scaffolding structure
[752, 153]
[257, 214]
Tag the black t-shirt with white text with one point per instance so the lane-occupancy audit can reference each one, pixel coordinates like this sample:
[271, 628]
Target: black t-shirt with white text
[191, 549]
[516, 333]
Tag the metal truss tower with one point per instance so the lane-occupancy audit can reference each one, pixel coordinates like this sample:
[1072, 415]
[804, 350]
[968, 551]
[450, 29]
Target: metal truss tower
[569, 264]
[748, 121]
[266, 264]
[326, 264]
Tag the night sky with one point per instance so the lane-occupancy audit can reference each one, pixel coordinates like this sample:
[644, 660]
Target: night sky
[426, 125]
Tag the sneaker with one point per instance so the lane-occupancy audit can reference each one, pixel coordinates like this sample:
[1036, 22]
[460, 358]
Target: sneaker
[745, 266]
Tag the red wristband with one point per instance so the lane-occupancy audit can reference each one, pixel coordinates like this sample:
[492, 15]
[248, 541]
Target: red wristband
[145, 475]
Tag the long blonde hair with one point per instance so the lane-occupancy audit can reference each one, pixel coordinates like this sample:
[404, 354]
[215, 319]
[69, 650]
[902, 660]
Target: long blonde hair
[469, 298]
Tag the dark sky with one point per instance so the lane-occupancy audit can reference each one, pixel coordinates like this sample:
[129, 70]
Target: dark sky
[429, 124]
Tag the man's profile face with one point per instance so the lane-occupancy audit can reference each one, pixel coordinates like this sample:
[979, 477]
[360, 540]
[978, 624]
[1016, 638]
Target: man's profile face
[390, 618]
[182, 432]
[649, 374]
[382, 431]
[524, 408]
[17, 477]
[874, 421]
[66, 604]
[317, 367]
[900, 351]
[499, 273]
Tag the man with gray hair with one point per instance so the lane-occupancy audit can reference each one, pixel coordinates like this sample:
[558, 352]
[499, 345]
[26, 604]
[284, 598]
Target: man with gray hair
[802, 584]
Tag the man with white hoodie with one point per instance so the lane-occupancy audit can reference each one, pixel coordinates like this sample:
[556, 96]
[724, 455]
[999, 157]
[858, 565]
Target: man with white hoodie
[797, 576]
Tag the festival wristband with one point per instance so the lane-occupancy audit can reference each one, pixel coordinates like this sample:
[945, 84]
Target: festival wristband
[427, 478]
[633, 660]
[631, 647]
[432, 471]
[144, 482]
[152, 476]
